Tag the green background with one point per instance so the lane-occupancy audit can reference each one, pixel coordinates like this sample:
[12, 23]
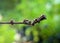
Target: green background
[19, 10]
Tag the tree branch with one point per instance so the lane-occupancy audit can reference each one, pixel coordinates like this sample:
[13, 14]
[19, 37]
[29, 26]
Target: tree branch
[27, 22]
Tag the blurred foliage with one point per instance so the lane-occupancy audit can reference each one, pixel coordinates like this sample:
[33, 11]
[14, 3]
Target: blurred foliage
[19, 10]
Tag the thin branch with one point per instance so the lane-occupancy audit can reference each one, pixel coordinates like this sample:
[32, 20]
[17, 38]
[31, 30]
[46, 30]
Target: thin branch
[27, 22]
[39, 19]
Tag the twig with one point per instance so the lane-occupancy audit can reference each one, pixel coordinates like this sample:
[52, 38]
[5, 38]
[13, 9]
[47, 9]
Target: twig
[27, 22]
